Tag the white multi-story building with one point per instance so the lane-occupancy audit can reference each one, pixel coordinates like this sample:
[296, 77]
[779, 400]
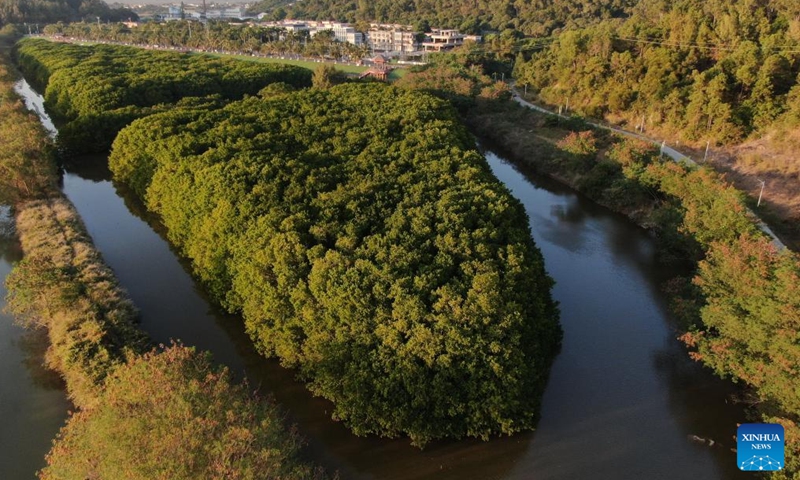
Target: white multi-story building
[223, 13]
[342, 32]
[392, 39]
[442, 40]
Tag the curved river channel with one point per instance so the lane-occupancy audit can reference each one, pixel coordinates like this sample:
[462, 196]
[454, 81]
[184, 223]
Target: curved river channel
[623, 401]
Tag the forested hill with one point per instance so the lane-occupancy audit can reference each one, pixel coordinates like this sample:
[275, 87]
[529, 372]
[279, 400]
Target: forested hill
[530, 17]
[725, 72]
[49, 11]
[715, 70]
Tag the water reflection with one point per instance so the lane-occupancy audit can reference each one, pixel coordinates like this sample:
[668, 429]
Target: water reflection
[608, 395]
[35, 103]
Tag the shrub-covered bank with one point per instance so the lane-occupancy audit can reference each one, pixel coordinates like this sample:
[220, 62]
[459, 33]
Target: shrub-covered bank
[94, 91]
[164, 414]
[63, 285]
[367, 244]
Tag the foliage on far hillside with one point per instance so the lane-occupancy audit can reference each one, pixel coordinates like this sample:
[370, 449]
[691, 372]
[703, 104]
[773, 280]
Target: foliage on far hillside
[706, 70]
[96, 90]
[538, 17]
[49, 11]
[367, 244]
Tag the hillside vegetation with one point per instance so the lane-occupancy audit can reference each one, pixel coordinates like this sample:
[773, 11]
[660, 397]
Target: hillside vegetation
[537, 17]
[716, 70]
[367, 245]
[691, 71]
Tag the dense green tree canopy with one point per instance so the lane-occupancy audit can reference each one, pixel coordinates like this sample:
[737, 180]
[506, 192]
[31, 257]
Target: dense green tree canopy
[96, 90]
[537, 17]
[367, 244]
[708, 70]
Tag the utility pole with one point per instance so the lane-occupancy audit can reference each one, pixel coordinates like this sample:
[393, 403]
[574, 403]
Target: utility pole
[705, 157]
[661, 153]
[526, 89]
[760, 194]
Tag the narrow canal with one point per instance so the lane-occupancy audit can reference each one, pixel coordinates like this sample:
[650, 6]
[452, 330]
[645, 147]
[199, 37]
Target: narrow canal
[623, 401]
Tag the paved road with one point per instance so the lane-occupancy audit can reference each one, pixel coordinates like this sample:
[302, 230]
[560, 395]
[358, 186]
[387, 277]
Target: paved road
[665, 149]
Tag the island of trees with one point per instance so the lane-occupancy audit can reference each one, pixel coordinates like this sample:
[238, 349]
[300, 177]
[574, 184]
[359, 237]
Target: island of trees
[356, 228]
[128, 83]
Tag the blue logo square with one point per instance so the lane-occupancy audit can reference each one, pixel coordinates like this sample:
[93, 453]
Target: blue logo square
[759, 447]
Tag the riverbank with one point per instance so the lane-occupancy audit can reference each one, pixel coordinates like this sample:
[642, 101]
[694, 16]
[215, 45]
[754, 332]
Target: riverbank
[63, 286]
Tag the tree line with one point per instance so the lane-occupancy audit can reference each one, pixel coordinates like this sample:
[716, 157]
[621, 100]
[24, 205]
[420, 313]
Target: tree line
[704, 70]
[94, 92]
[216, 36]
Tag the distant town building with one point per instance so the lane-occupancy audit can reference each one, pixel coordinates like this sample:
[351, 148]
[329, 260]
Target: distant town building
[342, 32]
[392, 39]
[440, 40]
[221, 13]
[174, 13]
[388, 39]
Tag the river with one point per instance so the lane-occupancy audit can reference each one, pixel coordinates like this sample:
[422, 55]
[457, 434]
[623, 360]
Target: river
[623, 401]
